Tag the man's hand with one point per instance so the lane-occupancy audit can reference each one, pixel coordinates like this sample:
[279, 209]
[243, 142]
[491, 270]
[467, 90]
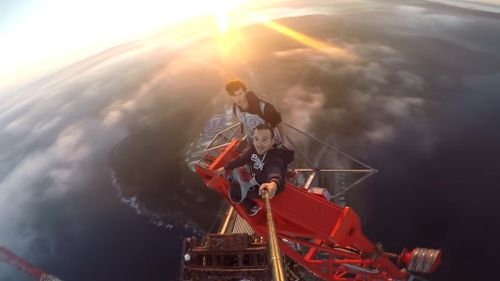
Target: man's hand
[220, 172]
[271, 187]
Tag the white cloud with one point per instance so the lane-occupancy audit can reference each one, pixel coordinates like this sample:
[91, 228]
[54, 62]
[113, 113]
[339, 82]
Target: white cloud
[401, 107]
[375, 88]
[54, 142]
[112, 118]
[375, 73]
[410, 80]
[381, 133]
[481, 5]
[324, 52]
[301, 104]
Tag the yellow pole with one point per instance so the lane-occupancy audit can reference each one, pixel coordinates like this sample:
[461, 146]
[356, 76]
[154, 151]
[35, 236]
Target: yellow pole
[274, 249]
[225, 225]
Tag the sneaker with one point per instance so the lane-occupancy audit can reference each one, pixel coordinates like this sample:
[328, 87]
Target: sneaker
[254, 210]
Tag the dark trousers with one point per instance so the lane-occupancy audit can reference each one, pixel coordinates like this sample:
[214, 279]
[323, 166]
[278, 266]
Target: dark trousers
[235, 193]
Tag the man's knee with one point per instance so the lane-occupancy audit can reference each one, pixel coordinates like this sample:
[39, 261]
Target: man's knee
[235, 191]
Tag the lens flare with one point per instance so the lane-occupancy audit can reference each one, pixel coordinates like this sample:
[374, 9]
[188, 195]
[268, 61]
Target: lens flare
[324, 47]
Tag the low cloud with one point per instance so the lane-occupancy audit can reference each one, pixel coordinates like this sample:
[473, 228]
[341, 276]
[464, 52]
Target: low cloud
[57, 138]
[138, 111]
[369, 99]
[303, 103]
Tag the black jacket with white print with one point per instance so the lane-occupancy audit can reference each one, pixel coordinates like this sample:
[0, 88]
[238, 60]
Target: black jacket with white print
[271, 166]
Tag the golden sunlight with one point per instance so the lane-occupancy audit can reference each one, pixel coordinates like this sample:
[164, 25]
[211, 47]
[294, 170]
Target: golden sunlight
[221, 8]
[80, 37]
[324, 47]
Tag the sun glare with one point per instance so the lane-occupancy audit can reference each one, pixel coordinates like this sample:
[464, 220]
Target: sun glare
[79, 37]
[221, 16]
[324, 47]
[221, 9]
[89, 26]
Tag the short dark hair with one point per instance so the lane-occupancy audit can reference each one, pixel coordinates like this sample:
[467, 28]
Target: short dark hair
[265, 126]
[234, 85]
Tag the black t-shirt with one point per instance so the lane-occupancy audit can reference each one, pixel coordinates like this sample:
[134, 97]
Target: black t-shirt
[270, 114]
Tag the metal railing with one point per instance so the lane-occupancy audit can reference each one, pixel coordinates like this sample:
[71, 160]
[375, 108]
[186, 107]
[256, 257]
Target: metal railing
[312, 171]
[315, 170]
[224, 137]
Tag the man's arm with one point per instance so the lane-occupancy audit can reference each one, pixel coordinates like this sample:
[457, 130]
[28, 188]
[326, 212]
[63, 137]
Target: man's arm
[281, 129]
[273, 117]
[271, 187]
[276, 172]
[239, 161]
[275, 179]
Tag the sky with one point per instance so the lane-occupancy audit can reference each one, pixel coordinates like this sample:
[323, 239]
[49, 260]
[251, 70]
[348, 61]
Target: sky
[83, 139]
[38, 37]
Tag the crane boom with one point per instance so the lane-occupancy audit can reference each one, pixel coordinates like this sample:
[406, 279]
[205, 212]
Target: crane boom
[22, 265]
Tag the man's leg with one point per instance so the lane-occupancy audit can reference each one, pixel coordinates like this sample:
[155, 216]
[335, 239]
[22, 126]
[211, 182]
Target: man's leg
[252, 207]
[249, 204]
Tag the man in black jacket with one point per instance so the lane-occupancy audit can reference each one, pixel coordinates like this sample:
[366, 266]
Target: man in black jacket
[268, 166]
[251, 111]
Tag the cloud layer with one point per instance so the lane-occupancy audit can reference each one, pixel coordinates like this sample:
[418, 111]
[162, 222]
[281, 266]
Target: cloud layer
[414, 96]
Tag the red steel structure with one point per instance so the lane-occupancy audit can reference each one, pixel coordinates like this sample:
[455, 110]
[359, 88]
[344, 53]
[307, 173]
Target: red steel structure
[323, 237]
[24, 266]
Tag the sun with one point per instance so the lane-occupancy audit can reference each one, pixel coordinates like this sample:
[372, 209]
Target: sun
[222, 20]
[221, 9]
[91, 26]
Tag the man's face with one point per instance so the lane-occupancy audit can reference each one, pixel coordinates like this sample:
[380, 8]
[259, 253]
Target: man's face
[262, 141]
[240, 98]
